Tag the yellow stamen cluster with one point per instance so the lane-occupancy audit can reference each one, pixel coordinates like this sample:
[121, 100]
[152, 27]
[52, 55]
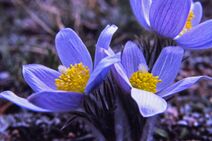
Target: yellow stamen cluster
[189, 20]
[73, 79]
[145, 81]
[188, 24]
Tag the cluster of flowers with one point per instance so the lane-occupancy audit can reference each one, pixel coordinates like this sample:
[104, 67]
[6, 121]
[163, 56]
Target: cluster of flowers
[65, 89]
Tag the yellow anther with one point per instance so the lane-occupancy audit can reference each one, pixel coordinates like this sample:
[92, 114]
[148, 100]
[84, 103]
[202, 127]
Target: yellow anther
[189, 20]
[144, 81]
[74, 79]
[188, 24]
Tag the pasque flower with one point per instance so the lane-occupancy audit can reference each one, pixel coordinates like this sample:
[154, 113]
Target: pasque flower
[176, 19]
[63, 90]
[150, 88]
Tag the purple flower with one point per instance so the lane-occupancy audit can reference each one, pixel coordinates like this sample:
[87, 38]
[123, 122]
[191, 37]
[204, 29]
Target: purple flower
[63, 90]
[150, 88]
[176, 19]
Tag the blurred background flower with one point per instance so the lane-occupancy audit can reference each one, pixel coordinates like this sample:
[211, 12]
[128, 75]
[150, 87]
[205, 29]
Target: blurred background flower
[175, 19]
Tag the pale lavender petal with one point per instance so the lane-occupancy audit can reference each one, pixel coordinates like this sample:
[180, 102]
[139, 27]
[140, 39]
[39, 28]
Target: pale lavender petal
[104, 42]
[101, 71]
[120, 77]
[199, 37]
[197, 9]
[22, 102]
[39, 77]
[182, 85]
[109, 52]
[137, 8]
[57, 101]
[146, 4]
[168, 65]
[71, 49]
[168, 17]
[131, 58]
[119, 73]
[149, 104]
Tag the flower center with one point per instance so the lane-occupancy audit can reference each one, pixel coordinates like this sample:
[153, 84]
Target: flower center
[145, 81]
[188, 24]
[73, 78]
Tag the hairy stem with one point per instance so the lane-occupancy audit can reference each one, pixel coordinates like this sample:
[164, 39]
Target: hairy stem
[148, 130]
